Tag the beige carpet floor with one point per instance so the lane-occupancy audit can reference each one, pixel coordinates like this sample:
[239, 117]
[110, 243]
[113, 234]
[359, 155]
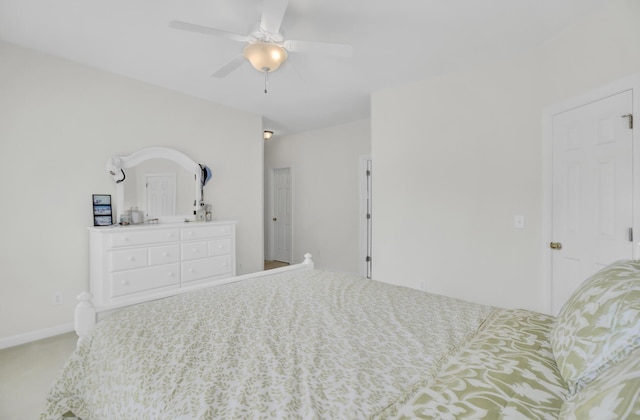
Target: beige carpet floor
[27, 372]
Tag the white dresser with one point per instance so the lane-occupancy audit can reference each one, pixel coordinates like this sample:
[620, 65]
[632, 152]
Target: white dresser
[132, 262]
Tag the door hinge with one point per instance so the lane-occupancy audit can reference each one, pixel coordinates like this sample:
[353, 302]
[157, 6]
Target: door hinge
[368, 215]
[630, 116]
[368, 172]
[630, 234]
[368, 259]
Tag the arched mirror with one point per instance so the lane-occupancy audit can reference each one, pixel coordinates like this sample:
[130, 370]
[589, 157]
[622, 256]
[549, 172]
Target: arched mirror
[162, 183]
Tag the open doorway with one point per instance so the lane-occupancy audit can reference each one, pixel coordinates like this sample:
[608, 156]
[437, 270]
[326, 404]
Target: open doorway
[279, 219]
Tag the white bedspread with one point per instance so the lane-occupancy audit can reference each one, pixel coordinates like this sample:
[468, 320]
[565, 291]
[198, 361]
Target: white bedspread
[309, 344]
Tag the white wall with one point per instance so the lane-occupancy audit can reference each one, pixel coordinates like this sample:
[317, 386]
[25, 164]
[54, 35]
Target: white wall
[457, 156]
[325, 191]
[59, 123]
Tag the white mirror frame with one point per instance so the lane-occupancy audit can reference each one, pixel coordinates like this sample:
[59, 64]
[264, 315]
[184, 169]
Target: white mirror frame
[116, 165]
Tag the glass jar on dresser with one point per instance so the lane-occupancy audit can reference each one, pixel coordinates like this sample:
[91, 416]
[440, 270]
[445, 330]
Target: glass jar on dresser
[134, 262]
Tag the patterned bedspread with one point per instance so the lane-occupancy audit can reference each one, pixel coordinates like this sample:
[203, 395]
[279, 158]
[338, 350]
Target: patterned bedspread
[308, 344]
[506, 372]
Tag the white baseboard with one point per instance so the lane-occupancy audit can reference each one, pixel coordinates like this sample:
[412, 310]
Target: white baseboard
[16, 340]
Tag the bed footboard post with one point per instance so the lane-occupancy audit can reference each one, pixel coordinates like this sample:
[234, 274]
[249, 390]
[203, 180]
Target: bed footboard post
[308, 261]
[85, 315]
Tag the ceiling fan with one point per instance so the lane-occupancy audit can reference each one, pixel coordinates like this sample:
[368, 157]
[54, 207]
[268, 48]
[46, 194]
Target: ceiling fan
[266, 48]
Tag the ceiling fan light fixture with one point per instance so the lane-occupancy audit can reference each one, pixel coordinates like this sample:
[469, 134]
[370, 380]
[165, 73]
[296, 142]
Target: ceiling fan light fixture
[265, 56]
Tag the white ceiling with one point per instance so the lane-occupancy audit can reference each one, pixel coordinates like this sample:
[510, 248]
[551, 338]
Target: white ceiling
[395, 42]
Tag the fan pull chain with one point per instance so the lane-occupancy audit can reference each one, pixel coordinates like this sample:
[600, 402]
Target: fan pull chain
[266, 81]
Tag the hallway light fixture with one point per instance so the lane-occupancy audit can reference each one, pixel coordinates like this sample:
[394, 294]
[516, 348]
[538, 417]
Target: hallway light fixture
[267, 134]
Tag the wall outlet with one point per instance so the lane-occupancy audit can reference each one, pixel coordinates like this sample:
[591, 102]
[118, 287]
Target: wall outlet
[57, 298]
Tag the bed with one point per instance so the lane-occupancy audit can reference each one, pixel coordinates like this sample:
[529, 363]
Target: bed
[308, 343]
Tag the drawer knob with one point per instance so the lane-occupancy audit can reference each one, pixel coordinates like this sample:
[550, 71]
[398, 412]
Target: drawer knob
[219, 246]
[126, 239]
[124, 282]
[191, 270]
[195, 250]
[131, 259]
[165, 254]
[169, 274]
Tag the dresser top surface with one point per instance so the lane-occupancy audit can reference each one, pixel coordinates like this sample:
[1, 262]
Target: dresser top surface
[152, 226]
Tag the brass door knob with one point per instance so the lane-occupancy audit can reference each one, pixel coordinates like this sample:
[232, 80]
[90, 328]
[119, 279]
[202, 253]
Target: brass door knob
[555, 245]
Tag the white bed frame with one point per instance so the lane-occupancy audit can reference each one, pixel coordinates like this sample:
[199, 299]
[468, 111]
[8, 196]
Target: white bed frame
[87, 314]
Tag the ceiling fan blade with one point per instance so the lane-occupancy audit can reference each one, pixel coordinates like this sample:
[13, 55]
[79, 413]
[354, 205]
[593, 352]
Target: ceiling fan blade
[324, 48]
[191, 27]
[229, 67]
[272, 14]
[294, 67]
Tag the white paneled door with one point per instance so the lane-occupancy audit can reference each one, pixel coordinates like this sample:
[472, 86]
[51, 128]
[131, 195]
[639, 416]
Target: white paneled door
[160, 190]
[592, 191]
[282, 214]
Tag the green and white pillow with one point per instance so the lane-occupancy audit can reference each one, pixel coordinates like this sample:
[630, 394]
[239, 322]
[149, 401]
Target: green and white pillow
[615, 394]
[599, 325]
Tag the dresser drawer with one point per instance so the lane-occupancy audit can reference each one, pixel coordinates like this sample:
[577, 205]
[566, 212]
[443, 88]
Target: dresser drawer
[141, 262]
[205, 232]
[133, 238]
[164, 254]
[135, 281]
[203, 268]
[128, 259]
[194, 250]
[220, 247]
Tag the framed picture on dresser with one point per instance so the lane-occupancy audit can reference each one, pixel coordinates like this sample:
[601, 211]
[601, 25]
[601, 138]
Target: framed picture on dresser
[102, 212]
